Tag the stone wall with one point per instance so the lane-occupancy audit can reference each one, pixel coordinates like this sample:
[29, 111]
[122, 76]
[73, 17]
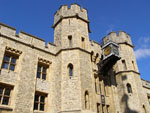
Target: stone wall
[66, 93]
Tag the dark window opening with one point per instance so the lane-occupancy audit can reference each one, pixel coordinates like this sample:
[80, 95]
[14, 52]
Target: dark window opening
[98, 108]
[42, 71]
[83, 42]
[70, 41]
[70, 69]
[133, 65]
[129, 89]
[87, 106]
[124, 65]
[5, 95]
[9, 62]
[39, 102]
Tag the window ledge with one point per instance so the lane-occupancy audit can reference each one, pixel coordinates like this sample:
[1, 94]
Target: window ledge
[6, 70]
[35, 111]
[5, 107]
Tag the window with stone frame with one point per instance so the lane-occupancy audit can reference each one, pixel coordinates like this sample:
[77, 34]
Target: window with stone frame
[42, 71]
[5, 94]
[9, 61]
[40, 101]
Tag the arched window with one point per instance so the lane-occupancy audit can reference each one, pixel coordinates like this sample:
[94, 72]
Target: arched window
[87, 104]
[129, 89]
[70, 70]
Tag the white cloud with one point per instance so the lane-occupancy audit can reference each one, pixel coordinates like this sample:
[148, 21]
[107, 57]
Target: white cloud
[144, 42]
[142, 53]
[142, 48]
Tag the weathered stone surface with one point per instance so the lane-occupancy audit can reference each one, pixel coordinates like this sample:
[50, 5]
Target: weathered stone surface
[67, 93]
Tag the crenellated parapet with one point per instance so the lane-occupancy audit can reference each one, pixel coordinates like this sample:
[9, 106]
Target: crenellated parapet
[25, 38]
[120, 38]
[145, 83]
[74, 11]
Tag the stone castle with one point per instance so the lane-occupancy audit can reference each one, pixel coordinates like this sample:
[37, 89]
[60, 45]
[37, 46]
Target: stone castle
[73, 75]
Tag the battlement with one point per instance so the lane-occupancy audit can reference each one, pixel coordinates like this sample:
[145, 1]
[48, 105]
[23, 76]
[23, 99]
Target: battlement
[145, 83]
[75, 10]
[25, 38]
[121, 37]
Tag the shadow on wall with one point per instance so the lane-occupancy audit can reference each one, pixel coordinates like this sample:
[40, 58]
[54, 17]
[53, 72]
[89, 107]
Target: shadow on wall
[124, 100]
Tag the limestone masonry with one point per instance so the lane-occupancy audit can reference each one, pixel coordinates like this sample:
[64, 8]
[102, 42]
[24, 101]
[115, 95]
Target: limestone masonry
[73, 75]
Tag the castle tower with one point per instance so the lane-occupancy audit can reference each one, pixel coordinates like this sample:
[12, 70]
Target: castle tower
[71, 27]
[129, 87]
[71, 36]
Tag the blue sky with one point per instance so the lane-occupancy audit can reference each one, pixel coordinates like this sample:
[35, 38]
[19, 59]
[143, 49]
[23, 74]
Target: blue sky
[132, 16]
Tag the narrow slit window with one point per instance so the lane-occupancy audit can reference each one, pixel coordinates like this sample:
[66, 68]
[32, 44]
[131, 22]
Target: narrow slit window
[98, 108]
[129, 88]
[144, 109]
[70, 41]
[95, 86]
[87, 104]
[70, 70]
[124, 65]
[83, 42]
[133, 65]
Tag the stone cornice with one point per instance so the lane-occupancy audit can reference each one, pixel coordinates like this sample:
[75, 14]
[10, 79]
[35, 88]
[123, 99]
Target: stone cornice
[12, 50]
[75, 48]
[127, 71]
[34, 47]
[75, 16]
[127, 44]
[44, 61]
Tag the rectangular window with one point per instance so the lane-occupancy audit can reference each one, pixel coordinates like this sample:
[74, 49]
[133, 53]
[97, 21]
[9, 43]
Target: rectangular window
[124, 65]
[83, 42]
[42, 71]
[70, 41]
[9, 62]
[5, 95]
[39, 102]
